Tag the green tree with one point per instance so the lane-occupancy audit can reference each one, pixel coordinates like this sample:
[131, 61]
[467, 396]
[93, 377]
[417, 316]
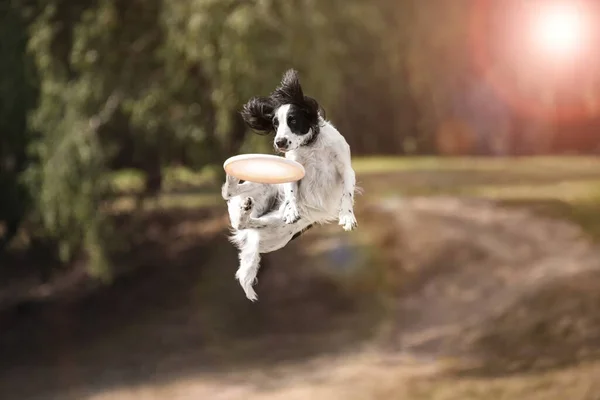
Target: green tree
[17, 97]
[149, 84]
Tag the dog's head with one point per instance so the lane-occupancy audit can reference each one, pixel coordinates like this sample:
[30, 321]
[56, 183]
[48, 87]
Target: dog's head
[293, 116]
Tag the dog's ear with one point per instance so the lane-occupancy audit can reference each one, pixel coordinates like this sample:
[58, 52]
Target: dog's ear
[312, 109]
[258, 114]
[289, 90]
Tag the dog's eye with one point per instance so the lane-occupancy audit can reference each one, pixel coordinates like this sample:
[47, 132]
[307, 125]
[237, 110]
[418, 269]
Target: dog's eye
[291, 120]
[275, 123]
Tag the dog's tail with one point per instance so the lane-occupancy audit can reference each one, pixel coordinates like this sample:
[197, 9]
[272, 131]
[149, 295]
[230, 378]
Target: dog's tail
[249, 255]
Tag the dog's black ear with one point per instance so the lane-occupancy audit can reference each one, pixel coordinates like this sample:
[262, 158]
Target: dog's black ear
[289, 90]
[312, 109]
[258, 114]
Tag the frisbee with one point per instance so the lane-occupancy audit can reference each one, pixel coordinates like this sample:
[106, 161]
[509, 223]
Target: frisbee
[264, 168]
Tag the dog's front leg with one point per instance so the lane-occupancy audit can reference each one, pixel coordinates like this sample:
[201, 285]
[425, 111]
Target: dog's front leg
[346, 214]
[291, 214]
[230, 188]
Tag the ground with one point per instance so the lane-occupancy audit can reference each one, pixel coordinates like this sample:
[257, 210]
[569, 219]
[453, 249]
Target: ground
[467, 279]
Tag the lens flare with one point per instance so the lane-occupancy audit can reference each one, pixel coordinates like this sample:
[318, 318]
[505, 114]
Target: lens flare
[532, 51]
[559, 30]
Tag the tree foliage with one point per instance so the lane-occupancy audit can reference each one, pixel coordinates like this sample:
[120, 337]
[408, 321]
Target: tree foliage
[148, 84]
[17, 98]
[93, 86]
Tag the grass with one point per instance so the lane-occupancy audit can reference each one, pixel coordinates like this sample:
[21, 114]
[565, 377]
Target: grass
[559, 187]
[521, 164]
[176, 178]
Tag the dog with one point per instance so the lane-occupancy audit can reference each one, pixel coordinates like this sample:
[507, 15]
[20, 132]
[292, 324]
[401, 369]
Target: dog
[266, 217]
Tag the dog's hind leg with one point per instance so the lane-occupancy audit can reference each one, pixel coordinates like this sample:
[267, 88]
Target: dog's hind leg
[247, 221]
[249, 264]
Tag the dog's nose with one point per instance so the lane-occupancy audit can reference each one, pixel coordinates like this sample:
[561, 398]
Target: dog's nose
[281, 143]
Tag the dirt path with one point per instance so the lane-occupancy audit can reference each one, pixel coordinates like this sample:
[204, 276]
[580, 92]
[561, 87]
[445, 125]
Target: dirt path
[471, 260]
[470, 286]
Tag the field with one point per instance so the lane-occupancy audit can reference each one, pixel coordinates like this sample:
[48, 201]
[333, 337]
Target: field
[467, 279]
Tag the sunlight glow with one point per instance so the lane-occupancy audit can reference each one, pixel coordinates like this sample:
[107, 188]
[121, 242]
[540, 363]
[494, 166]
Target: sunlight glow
[560, 29]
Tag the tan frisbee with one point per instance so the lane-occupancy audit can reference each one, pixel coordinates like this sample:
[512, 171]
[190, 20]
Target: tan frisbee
[264, 168]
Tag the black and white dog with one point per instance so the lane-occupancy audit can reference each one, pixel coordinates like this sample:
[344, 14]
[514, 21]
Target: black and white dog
[265, 217]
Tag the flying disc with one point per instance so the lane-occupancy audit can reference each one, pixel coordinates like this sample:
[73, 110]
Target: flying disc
[264, 168]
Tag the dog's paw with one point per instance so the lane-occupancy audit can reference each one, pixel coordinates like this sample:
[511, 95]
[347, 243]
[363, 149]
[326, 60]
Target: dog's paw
[245, 211]
[348, 221]
[251, 294]
[247, 205]
[291, 214]
[232, 180]
[247, 282]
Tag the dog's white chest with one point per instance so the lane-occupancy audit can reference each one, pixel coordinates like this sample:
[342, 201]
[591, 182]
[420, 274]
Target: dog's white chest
[320, 190]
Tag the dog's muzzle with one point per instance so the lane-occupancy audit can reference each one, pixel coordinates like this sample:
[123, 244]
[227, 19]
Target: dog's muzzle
[282, 144]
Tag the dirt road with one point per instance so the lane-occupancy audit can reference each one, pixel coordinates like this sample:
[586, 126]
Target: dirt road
[439, 290]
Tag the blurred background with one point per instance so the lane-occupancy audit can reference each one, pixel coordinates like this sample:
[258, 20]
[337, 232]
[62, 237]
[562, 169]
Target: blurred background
[475, 271]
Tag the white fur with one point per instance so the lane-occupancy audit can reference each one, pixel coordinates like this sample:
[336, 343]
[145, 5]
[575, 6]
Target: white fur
[326, 193]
